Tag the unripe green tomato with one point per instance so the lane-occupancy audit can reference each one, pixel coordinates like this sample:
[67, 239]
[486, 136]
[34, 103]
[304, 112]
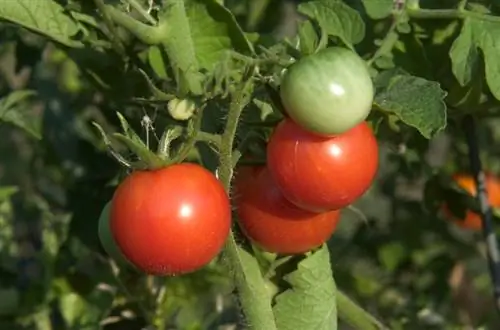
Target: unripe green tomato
[107, 239]
[181, 109]
[328, 92]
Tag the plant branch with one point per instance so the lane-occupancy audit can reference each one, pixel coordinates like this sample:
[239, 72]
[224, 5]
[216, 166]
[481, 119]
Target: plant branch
[486, 212]
[113, 33]
[151, 35]
[251, 289]
[356, 316]
[418, 13]
[144, 13]
[387, 43]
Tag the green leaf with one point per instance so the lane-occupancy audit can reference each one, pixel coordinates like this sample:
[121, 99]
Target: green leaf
[157, 62]
[417, 102]
[14, 110]
[84, 313]
[308, 38]
[391, 255]
[311, 302]
[45, 17]
[477, 34]
[199, 34]
[337, 19]
[7, 191]
[378, 9]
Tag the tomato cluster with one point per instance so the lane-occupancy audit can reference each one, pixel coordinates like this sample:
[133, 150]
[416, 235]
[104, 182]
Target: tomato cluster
[320, 158]
[169, 221]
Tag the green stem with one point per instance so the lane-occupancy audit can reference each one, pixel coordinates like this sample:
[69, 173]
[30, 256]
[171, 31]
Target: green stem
[151, 35]
[113, 33]
[449, 14]
[354, 315]
[142, 11]
[390, 39]
[258, 313]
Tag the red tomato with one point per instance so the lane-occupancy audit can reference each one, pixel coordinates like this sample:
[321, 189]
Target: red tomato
[272, 222]
[472, 220]
[322, 173]
[171, 221]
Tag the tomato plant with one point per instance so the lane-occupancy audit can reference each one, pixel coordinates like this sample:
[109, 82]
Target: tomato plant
[322, 173]
[472, 220]
[272, 222]
[170, 221]
[328, 92]
[162, 89]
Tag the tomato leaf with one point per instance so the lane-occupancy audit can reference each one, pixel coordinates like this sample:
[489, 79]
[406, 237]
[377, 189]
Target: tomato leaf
[200, 33]
[157, 62]
[83, 312]
[337, 19]
[14, 110]
[477, 34]
[43, 17]
[378, 9]
[311, 302]
[417, 102]
[308, 38]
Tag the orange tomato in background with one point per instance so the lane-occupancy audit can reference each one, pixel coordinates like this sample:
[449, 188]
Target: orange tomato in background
[472, 220]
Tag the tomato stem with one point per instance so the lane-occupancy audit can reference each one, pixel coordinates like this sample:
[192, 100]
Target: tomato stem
[251, 289]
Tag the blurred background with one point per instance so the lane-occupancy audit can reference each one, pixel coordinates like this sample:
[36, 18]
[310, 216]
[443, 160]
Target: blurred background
[394, 252]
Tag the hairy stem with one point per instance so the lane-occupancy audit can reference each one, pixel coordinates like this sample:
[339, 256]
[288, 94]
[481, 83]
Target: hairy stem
[151, 35]
[258, 312]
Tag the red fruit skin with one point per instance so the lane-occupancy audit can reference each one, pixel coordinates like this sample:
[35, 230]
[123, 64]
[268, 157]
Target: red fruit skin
[272, 222]
[320, 173]
[171, 221]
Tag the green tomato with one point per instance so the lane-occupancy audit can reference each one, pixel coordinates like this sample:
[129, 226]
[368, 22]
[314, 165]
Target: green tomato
[329, 92]
[181, 109]
[107, 239]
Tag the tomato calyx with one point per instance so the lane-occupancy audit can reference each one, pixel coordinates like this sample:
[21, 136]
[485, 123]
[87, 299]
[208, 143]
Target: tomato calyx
[165, 155]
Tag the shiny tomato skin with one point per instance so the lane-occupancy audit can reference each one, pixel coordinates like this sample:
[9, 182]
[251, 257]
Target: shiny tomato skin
[328, 92]
[472, 220]
[170, 221]
[322, 173]
[272, 222]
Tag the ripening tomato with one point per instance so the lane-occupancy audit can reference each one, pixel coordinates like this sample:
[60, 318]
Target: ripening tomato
[472, 220]
[322, 173]
[328, 92]
[272, 222]
[170, 221]
[107, 241]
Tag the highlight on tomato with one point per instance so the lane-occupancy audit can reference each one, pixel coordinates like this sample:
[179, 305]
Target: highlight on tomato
[328, 92]
[170, 221]
[271, 222]
[320, 173]
[472, 220]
